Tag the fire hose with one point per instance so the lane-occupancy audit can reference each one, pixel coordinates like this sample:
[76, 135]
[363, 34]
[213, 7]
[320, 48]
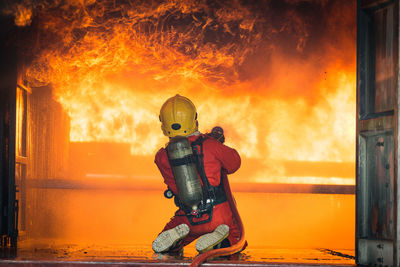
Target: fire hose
[240, 245]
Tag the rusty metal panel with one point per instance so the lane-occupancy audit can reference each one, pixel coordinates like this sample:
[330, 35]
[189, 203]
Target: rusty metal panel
[380, 175]
[377, 124]
[375, 197]
[377, 57]
[375, 252]
[377, 186]
[385, 50]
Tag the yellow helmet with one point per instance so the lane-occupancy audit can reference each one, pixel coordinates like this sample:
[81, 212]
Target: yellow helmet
[178, 117]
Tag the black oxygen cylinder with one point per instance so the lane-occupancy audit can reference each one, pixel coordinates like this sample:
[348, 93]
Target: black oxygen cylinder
[185, 174]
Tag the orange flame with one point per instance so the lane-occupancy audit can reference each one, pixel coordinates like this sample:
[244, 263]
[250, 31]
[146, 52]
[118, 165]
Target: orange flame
[22, 14]
[279, 94]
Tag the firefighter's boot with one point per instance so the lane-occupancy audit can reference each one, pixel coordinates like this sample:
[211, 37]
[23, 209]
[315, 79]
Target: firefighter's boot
[167, 239]
[208, 241]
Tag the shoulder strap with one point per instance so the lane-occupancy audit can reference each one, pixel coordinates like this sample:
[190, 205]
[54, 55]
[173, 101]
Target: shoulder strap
[200, 165]
[199, 141]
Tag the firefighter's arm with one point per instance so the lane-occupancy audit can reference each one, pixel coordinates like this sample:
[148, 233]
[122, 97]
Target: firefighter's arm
[229, 157]
[161, 160]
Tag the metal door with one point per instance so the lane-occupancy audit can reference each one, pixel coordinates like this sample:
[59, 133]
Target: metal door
[8, 204]
[21, 151]
[377, 223]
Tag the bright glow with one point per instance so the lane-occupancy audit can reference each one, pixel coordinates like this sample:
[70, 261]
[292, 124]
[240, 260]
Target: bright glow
[112, 71]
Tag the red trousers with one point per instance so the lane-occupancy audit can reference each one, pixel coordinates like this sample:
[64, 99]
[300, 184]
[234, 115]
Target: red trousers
[222, 214]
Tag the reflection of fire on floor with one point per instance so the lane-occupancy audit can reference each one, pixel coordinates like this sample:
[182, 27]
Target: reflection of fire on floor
[51, 253]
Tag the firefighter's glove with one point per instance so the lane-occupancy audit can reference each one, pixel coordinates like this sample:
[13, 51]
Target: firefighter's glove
[218, 134]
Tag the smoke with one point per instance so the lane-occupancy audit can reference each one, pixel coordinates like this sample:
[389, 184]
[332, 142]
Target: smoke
[213, 41]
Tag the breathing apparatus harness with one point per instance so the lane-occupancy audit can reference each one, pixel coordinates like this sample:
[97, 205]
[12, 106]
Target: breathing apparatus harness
[212, 195]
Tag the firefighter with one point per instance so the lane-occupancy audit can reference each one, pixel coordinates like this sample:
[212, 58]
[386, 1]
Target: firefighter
[205, 211]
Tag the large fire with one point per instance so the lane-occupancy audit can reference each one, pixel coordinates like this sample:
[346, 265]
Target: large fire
[279, 77]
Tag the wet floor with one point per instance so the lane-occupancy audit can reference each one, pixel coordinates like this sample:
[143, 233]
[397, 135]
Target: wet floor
[81, 253]
[119, 225]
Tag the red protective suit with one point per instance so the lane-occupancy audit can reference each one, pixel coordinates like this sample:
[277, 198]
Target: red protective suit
[216, 157]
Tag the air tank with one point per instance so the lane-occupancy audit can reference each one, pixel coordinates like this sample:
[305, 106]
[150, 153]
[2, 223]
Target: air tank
[185, 172]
